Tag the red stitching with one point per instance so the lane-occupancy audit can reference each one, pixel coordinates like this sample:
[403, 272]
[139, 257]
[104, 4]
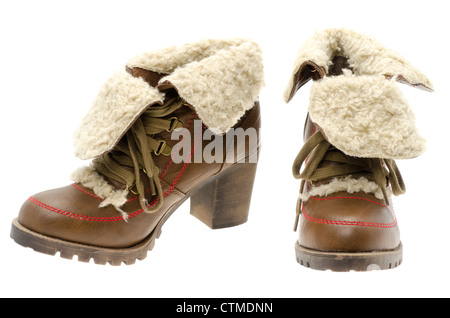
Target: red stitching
[323, 199]
[116, 218]
[352, 223]
[74, 215]
[92, 195]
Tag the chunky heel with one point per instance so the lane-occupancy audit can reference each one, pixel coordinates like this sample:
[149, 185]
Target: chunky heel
[225, 201]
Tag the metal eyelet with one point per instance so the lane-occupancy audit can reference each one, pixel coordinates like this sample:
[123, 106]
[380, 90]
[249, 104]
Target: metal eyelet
[163, 149]
[133, 189]
[174, 124]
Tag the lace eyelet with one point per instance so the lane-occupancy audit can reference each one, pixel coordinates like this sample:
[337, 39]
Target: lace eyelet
[133, 189]
[174, 124]
[163, 149]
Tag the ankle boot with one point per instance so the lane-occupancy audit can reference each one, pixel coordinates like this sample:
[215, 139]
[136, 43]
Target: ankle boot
[358, 123]
[163, 130]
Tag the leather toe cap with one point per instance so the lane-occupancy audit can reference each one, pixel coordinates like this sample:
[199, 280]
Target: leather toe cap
[343, 223]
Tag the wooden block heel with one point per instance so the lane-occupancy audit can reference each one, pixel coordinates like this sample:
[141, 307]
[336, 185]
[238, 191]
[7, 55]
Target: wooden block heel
[225, 201]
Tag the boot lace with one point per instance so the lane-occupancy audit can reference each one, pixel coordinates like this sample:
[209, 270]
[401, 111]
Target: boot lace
[134, 153]
[383, 172]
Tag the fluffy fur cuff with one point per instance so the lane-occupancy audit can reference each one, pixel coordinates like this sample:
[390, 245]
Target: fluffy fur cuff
[365, 116]
[221, 79]
[366, 56]
[120, 101]
[361, 111]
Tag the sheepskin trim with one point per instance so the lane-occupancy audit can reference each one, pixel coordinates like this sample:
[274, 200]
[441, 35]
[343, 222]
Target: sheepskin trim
[120, 101]
[349, 185]
[89, 178]
[168, 59]
[365, 116]
[221, 79]
[366, 56]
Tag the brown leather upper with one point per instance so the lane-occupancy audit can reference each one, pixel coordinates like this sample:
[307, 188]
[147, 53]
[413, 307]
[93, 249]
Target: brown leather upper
[72, 212]
[345, 222]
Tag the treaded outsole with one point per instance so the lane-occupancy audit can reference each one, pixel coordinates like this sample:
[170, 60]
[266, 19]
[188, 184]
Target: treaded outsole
[345, 262]
[100, 255]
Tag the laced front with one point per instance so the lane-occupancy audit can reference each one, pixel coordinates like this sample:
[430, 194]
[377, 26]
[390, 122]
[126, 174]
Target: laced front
[134, 153]
[383, 172]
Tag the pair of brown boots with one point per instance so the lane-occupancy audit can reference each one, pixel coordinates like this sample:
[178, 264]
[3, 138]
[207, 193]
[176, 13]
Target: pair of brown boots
[184, 122]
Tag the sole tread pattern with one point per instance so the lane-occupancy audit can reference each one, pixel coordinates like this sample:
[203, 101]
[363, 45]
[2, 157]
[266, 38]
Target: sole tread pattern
[345, 262]
[84, 253]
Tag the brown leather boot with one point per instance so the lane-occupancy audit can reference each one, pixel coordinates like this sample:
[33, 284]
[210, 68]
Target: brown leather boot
[358, 122]
[162, 132]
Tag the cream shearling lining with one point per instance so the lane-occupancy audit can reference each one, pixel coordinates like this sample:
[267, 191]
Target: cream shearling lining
[348, 184]
[89, 178]
[221, 79]
[365, 116]
[120, 101]
[366, 56]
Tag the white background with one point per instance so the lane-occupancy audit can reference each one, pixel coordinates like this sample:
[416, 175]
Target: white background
[54, 56]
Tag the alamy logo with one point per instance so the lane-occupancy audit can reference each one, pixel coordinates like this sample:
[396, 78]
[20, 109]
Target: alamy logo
[220, 147]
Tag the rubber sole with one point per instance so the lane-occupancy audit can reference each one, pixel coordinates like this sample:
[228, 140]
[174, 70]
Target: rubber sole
[49, 245]
[345, 262]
